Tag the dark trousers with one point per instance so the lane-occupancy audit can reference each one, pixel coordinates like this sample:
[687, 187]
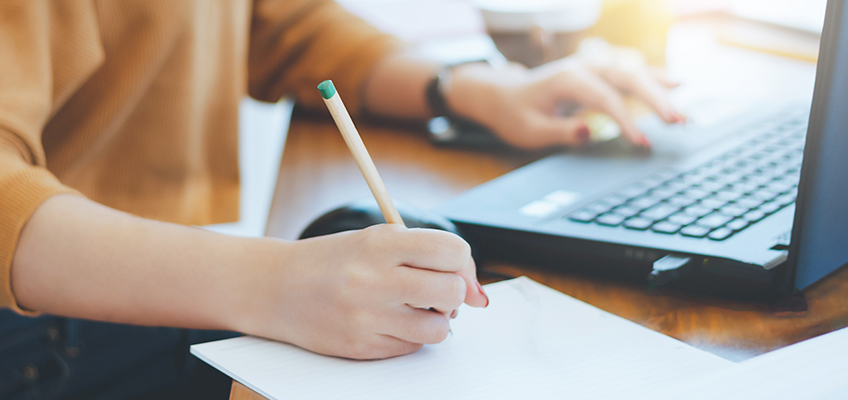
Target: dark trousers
[63, 358]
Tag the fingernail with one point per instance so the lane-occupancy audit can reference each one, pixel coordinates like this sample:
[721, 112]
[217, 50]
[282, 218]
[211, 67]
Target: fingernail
[645, 143]
[480, 289]
[583, 133]
[454, 313]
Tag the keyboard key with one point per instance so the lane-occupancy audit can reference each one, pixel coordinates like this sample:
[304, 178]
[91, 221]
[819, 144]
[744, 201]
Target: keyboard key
[793, 192]
[614, 199]
[697, 210]
[695, 231]
[728, 178]
[666, 227]
[769, 208]
[626, 211]
[748, 202]
[675, 185]
[779, 186]
[744, 187]
[714, 220]
[681, 201]
[727, 195]
[644, 202]
[713, 203]
[737, 224]
[663, 193]
[785, 200]
[764, 195]
[734, 210]
[696, 193]
[759, 179]
[599, 207]
[772, 148]
[659, 211]
[609, 220]
[632, 191]
[711, 186]
[754, 216]
[638, 223]
[707, 171]
[720, 234]
[693, 178]
[748, 169]
[682, 219]
[582, 216]
[794, 178]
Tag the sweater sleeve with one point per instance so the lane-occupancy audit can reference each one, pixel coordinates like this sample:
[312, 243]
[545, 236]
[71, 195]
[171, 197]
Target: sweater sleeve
[47, 49]
[23, 187]
[296, 44]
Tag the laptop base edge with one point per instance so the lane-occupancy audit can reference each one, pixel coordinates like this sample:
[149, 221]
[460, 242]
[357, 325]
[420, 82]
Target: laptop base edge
[711, 276]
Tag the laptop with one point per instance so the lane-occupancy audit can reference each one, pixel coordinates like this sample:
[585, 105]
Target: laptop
[751, 208]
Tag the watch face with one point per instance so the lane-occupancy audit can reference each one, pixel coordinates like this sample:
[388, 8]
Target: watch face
[441, 130]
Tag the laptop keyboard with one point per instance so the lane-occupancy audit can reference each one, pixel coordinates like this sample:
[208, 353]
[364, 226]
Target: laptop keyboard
[717, 199]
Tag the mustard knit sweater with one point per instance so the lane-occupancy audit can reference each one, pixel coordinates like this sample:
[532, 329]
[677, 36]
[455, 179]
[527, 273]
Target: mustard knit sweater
[133, 103]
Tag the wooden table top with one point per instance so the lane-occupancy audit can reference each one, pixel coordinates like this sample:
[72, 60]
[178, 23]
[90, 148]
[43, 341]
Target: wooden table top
[318, 173]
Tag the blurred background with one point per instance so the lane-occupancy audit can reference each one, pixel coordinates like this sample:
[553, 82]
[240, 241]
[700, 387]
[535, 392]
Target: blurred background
[786, 27]
[730, 55]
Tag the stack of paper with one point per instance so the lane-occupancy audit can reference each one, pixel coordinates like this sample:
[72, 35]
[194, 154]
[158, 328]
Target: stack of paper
[531, 342]
[813, 369]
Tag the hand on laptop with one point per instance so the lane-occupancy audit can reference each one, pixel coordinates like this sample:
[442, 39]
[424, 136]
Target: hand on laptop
[521, 105]
[374, 293]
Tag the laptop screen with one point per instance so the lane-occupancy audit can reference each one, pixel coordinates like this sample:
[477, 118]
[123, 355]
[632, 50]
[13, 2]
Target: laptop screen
[820, 232]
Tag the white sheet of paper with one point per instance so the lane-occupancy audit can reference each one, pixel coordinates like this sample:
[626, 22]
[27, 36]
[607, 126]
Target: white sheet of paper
[531, 342]
[813, 369]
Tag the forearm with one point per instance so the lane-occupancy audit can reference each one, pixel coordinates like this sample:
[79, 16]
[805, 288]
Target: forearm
[80, 259]
[373, 293]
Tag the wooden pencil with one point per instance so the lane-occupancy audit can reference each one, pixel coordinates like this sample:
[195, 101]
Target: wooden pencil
[360, 153]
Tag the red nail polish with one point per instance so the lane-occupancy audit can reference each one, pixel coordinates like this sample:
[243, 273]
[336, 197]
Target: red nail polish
[480, 289]
[583, 133]
[454, 313]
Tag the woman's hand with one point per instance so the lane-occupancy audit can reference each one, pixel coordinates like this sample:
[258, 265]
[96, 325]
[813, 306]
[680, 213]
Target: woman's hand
[521, 105]
[379, 292]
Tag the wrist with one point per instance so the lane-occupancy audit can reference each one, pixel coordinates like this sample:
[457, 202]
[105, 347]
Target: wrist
[441, 96]
[471, 94]
[254, 285]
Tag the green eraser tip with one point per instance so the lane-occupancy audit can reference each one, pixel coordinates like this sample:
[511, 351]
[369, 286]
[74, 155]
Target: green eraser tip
[327, 89]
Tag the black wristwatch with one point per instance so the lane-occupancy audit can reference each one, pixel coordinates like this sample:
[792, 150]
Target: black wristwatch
[448, 129]
[436, 89]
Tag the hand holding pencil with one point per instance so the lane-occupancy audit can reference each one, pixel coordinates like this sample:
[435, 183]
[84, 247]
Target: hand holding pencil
[372, 177]
[378, 292]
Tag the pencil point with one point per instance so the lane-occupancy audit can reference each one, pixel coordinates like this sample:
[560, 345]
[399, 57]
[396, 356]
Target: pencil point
[327, 89]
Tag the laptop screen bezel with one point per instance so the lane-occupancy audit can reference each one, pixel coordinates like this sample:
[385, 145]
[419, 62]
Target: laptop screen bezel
[822, 92]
